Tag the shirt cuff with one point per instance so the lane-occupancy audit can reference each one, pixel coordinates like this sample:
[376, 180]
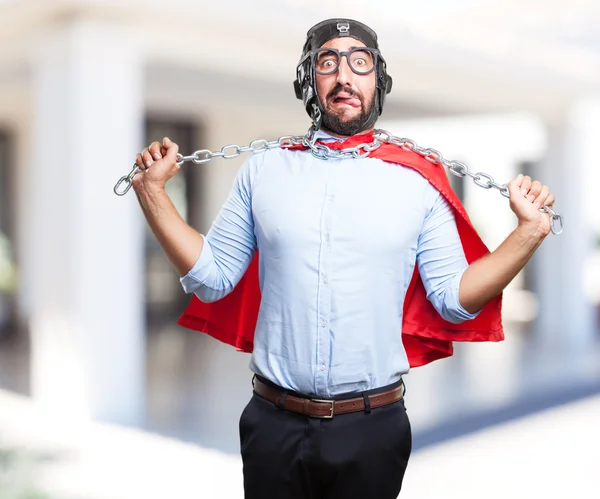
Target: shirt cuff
[453, 304]
[199, 273]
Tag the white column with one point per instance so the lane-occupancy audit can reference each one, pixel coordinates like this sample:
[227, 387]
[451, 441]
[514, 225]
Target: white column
[86, 246]
[567, 324]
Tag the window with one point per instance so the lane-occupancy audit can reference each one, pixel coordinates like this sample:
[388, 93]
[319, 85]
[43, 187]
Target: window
[7, 263]
[14, 340]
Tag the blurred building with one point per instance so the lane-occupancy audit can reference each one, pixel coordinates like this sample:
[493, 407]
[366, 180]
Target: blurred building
[505, 86]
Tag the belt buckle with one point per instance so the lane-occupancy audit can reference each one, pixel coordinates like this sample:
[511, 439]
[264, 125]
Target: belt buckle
[321, 401]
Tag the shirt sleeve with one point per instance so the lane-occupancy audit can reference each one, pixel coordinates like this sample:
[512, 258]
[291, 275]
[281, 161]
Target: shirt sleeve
[229, 245]
[441, 261]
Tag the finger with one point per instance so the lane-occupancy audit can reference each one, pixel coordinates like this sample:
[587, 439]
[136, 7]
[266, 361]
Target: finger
[147, 157]
[541, 198]
[171, 149]
[525, 185]
[139, 161]
[535, 190]
[549, 200]
[519, 179]
[155, 150]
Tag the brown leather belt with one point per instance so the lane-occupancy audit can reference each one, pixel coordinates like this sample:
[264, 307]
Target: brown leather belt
[317, 408]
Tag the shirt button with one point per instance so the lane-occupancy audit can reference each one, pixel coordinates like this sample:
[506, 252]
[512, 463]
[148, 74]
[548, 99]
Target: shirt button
[324, 323]
[323, 367]
[324, 280]
[327, 237]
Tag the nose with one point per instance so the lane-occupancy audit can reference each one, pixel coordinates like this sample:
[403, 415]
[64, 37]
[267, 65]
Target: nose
[344, 73]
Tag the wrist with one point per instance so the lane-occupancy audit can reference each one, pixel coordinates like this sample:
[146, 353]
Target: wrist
[149, 189]
[531, 231]
[150, 195]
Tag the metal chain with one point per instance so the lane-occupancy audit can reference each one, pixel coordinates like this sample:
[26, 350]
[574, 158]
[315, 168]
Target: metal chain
[321, 151]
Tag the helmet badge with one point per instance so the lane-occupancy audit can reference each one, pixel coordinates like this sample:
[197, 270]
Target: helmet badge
[343, 28]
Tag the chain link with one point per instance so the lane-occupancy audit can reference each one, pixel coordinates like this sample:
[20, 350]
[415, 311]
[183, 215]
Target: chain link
[459, 169]
[321, 151]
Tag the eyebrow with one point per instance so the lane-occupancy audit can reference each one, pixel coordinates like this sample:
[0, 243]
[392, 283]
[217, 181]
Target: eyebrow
[322, 54]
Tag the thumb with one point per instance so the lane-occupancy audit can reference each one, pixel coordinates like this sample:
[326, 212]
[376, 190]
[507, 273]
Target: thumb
[171, 147]
[514, 189]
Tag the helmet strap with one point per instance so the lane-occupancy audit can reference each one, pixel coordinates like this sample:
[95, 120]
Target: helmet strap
[317, 114]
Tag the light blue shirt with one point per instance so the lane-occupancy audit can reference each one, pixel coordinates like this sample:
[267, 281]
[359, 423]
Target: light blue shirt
[338, 241]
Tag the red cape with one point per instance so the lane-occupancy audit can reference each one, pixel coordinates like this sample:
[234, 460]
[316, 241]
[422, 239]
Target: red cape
[425, 334]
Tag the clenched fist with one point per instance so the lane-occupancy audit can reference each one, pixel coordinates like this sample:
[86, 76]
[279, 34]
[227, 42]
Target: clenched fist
[158, 163]
[527, 197]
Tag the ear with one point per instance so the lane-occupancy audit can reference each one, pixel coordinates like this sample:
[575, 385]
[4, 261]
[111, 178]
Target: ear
[388, 85]
[298, 89]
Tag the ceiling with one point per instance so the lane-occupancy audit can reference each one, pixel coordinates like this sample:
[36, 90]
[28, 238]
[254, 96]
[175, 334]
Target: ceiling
[467, 55]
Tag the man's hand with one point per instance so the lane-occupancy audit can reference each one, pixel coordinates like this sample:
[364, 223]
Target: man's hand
[526, 199]
[159, 164]
[486, 277]
[181, 243]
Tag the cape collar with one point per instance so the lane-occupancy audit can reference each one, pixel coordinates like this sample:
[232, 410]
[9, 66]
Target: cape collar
[343, 142]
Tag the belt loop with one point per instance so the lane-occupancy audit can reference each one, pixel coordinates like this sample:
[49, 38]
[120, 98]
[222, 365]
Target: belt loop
[280, 403]
[367, 403]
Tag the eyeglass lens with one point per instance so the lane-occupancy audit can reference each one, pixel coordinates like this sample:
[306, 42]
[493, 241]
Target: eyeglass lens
[327, 61]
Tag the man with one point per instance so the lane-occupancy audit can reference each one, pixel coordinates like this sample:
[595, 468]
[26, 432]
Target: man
[339, 243]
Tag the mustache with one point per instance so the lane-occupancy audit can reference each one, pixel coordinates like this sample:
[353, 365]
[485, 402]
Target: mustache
[339, 88]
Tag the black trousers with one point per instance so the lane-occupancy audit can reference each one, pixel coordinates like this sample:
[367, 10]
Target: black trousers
[357, 455]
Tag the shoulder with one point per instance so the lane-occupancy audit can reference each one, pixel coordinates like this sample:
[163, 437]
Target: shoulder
[271, 160]
[418, 179]
[435, 182]
[252, 166]
[278, 159]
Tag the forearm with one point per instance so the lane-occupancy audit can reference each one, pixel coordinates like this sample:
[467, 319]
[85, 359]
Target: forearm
[181, 243]
[487, 277]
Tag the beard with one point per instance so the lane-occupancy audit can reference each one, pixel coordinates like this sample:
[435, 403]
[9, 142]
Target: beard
[337, 124]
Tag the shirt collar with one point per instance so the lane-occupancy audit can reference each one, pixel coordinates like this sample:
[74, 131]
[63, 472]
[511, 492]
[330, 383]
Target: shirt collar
[324, 136]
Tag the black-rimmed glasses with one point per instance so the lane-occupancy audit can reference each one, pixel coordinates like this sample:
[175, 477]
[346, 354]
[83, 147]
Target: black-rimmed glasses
[326, 61]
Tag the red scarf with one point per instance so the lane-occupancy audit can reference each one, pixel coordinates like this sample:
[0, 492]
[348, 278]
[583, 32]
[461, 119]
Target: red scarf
[425, 334]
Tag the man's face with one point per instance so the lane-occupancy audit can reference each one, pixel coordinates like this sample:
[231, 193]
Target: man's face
[346, 97]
